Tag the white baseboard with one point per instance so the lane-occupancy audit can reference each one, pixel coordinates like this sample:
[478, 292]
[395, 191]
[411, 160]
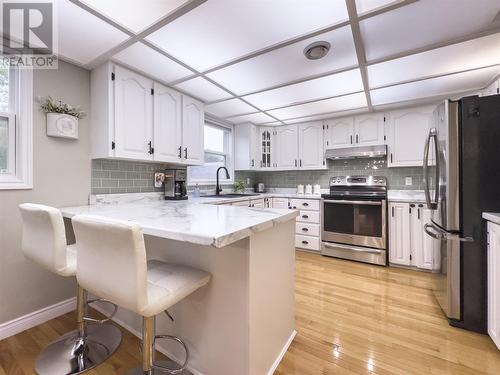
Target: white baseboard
[282, 353]
[35, 318]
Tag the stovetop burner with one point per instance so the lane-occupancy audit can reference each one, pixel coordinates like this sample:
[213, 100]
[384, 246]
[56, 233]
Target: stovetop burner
[357, 187]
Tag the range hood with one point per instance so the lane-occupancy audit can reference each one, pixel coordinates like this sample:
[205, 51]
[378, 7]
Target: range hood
[356, 152]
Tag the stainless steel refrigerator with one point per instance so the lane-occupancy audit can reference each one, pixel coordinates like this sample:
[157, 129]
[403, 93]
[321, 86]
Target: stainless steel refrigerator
[462, 180]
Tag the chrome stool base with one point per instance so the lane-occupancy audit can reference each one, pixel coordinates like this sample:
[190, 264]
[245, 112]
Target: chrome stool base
[65, 357]
[157, 371]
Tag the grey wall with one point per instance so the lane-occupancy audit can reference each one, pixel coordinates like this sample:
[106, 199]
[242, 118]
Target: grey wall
[290, 179]
[61, 177]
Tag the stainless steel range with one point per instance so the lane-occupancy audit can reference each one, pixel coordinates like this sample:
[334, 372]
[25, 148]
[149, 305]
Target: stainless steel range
[354, 221]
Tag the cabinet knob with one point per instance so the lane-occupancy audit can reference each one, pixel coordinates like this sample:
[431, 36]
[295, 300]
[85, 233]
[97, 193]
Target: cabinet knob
[305, 242]
[305, 204]
[305, 217]
[305, 230]
[186, 153]
[180, 152]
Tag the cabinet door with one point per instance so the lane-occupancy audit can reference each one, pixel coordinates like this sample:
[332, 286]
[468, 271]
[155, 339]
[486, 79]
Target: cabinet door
[193, 120]
[399, 233]
[408, 131]
[286, 154]
[280, 202]
[340, 132]
[416, 235]
[311, 153]
[266, 148]
[245, 147]
[257, 203]
[167, 124]
[369, 130]
[494, 282]
[133, 115]
[429, 257]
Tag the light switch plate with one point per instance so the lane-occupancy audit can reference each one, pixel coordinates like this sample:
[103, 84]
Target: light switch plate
[408, 181]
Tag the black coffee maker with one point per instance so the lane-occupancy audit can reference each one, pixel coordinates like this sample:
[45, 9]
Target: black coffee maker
[175, 184]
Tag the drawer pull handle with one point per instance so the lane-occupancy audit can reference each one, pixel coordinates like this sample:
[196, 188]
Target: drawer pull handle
[305, 204]
[305, 217]
[305, 242]
[305, 230]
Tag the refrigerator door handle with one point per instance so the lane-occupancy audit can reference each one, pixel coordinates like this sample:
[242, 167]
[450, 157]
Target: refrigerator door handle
[431, 204]
[439, 234]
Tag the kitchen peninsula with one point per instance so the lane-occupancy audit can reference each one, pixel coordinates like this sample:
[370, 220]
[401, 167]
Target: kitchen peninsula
[243, 321]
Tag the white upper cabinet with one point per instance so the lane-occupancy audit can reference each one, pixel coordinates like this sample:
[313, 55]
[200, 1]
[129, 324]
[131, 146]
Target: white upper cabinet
[133, 115]
[134, 118]
[399, 234]
[286, 147]
[407, 132]
[369, 130]
[311, 152]
[193, 120]
[339, 132]
[245, 147]
[266, 147]
[167, 124]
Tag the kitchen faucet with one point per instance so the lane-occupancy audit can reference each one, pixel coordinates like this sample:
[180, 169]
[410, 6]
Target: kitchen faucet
[218, 189]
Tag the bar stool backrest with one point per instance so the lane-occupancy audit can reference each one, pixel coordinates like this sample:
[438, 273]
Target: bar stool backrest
[44, 237]
[111, 260]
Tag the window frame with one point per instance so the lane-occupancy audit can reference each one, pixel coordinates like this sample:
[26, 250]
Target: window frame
[229, 156]
[20, 131]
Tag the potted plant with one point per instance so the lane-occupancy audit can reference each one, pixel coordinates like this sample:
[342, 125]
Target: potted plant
[239, 187]
[62, 118]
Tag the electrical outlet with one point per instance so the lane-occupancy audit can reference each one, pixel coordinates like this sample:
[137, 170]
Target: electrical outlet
[248, 181]
[408, 181]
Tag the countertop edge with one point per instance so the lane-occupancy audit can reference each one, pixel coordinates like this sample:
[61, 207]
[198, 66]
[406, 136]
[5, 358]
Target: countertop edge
[494, 217]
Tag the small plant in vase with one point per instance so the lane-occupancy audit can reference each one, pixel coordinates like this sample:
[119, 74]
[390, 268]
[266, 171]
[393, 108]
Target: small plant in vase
[62, 118]
[239, 187]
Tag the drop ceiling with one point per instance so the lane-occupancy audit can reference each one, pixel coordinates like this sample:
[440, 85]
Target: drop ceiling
[245, 60]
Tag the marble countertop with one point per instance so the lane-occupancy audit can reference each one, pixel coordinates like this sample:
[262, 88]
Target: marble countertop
[494, 217]
[412, 196]
[189, 221]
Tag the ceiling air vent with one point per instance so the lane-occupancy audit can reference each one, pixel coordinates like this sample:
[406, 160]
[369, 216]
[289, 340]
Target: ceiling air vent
[316, 50]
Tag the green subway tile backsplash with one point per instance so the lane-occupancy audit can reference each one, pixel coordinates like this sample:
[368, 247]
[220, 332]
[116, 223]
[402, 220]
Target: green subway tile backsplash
[376, 166]
[117, 176]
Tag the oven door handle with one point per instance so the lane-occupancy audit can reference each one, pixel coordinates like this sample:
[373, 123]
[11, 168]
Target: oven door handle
[367, 203]
[360, 250]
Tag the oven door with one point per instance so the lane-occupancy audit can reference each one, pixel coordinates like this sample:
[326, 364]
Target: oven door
[355, 222]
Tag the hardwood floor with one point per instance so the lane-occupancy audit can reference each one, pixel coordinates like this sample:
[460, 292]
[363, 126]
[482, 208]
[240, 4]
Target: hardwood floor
[351, 318]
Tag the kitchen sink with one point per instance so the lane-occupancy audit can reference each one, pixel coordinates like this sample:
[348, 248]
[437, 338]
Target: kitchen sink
[230, 195]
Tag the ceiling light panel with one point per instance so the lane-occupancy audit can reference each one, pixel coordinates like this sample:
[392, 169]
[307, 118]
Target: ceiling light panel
[81, 36]
[425, 23]
[134, 14]
[256, 118]
[153, 63]
[365, 6]
[228, 108]
[342, 103]
[476, 53]
[222, 30]
[203, 89]
[319, 88]
[288, 64]
[441, 86]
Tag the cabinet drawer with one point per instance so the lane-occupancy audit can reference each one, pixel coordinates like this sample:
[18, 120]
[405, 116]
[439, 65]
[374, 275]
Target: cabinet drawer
[308, 217]
[307, 242]
[280, 202]
[241, 203]
[308, 229]
[305, 204]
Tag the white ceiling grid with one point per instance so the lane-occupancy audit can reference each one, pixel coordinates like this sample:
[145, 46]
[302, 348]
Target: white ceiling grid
[245, 60]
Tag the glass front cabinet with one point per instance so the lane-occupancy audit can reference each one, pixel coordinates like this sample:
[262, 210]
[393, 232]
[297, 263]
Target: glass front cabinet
[266, 145]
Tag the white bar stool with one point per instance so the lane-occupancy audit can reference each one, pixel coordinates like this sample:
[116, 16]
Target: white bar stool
[44, 241]
[112, 265]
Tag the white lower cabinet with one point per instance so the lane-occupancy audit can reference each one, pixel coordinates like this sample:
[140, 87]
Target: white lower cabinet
[279, 202]
[494, 282]
[409, 245]
[308, 225]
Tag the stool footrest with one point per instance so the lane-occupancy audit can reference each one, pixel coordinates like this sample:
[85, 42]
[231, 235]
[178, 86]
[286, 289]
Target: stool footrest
[177, 370]
[107, 319]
